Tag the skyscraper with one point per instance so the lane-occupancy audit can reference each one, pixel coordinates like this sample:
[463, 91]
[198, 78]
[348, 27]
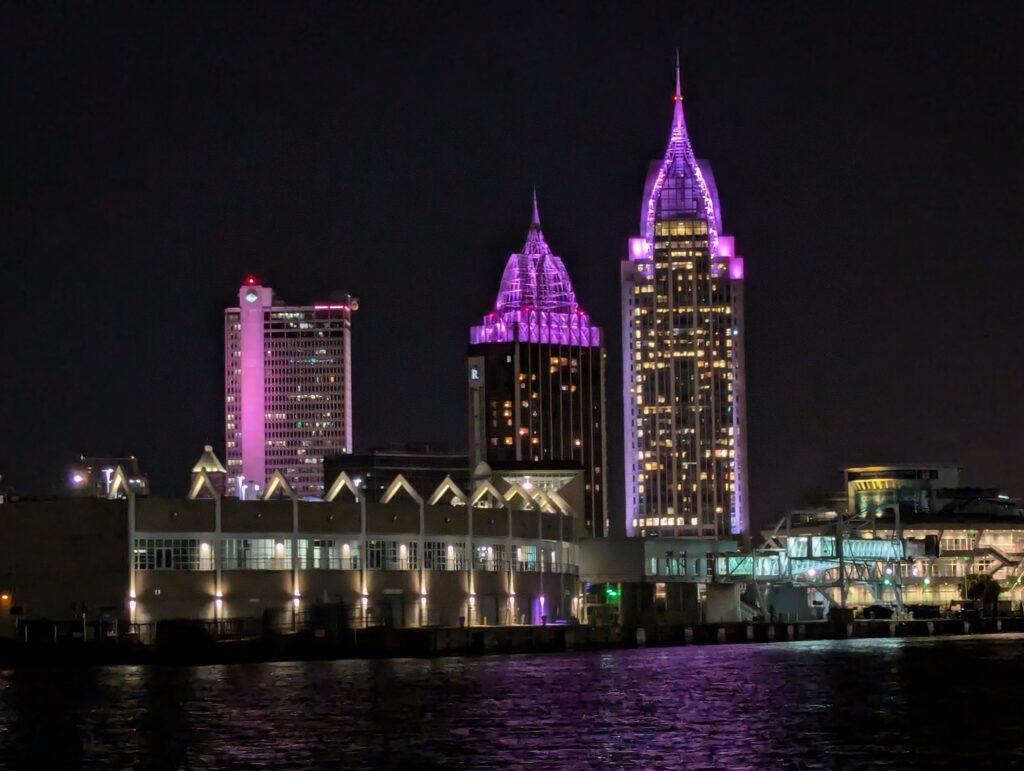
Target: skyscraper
[287, 389]
[682, 305]
[536, 377]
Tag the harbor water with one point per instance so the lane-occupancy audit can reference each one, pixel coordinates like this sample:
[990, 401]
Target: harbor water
[951, 703]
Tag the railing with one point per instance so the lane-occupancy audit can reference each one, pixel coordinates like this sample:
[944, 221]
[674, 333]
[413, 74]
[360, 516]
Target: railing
[334, 563]
[442, 563]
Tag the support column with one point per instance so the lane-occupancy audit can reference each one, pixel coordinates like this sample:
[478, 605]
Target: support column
[364, 590]
[420, 557]
[470, 584]
[722, 603]
[132, 600]
[217, 546]
[296, 589]
[510, 554]
[561, 565]
[542, 605]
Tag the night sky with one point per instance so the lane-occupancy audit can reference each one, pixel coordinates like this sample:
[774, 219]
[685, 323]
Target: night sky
[869, 160]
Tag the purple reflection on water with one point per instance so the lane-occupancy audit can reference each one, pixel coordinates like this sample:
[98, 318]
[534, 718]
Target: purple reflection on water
[843, 704]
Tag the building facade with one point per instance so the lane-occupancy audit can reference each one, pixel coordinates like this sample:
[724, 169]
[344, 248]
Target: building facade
[910, 535]
[682, 304]
[536, 376]
[287, 389]
[441, 556]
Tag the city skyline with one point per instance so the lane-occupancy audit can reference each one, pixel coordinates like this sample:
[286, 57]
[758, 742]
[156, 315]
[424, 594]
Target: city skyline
[871, 316]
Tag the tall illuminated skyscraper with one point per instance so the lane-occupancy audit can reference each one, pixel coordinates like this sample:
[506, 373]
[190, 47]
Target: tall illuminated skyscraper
[536, 378]
[287, 389]
[682, 305]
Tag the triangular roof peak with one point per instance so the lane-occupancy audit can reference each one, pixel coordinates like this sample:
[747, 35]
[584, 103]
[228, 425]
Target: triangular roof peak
[484, 489]
[517, 491]
[209, 462]
[447, 486]
[342, 482]
[119, 484]
[278, 483]
[201, 482]
[397, 484]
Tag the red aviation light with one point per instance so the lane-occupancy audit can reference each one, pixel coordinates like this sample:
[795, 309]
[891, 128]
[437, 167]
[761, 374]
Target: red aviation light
[251, 280]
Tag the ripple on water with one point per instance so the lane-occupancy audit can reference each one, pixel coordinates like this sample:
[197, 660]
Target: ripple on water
[861, 704]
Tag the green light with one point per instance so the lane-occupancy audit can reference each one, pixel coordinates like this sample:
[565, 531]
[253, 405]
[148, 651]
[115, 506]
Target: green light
[927, 581]
[611, 593]
[886, 582]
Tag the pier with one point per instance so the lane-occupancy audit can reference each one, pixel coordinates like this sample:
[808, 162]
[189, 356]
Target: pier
[384, 642]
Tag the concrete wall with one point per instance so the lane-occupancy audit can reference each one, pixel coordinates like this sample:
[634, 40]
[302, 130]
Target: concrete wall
[789, 603]
[722, 603]
[250, 517]
[611, 560]
[175, 515]
[335, 517]
[56, 554]
[682, 606]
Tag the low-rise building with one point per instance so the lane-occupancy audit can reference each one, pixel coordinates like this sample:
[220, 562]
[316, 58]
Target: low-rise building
[444, 556]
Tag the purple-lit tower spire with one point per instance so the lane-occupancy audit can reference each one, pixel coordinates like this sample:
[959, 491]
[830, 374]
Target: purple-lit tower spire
[536, 379]
[684, 396]
[535, 301]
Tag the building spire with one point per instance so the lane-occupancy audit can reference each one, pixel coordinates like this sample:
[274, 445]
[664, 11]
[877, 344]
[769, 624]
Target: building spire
[535, 236]
[679, 89]
[677, 110]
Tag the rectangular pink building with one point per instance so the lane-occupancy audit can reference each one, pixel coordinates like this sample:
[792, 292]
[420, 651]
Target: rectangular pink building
[287, 389]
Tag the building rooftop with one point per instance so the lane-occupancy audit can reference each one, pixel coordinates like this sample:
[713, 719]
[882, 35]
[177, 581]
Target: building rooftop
[536, 301]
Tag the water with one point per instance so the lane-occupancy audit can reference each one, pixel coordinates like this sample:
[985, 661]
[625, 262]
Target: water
[952, 703]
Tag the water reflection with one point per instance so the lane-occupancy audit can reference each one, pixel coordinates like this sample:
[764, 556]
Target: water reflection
[854, 704]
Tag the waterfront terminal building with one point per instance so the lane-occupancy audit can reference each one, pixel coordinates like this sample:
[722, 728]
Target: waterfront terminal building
[911, 535]
[442, 556]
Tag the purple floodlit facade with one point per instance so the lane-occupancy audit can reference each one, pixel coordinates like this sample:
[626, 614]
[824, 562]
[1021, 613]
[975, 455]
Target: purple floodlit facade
[288, 389]
[536, 302]
[536, 378]
[684, 395]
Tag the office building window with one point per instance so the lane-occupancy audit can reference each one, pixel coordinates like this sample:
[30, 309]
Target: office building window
[257, 554]
[169, 554]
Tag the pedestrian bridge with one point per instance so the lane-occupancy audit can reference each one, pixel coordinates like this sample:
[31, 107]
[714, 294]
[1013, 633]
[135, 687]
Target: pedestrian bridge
[808, 556]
